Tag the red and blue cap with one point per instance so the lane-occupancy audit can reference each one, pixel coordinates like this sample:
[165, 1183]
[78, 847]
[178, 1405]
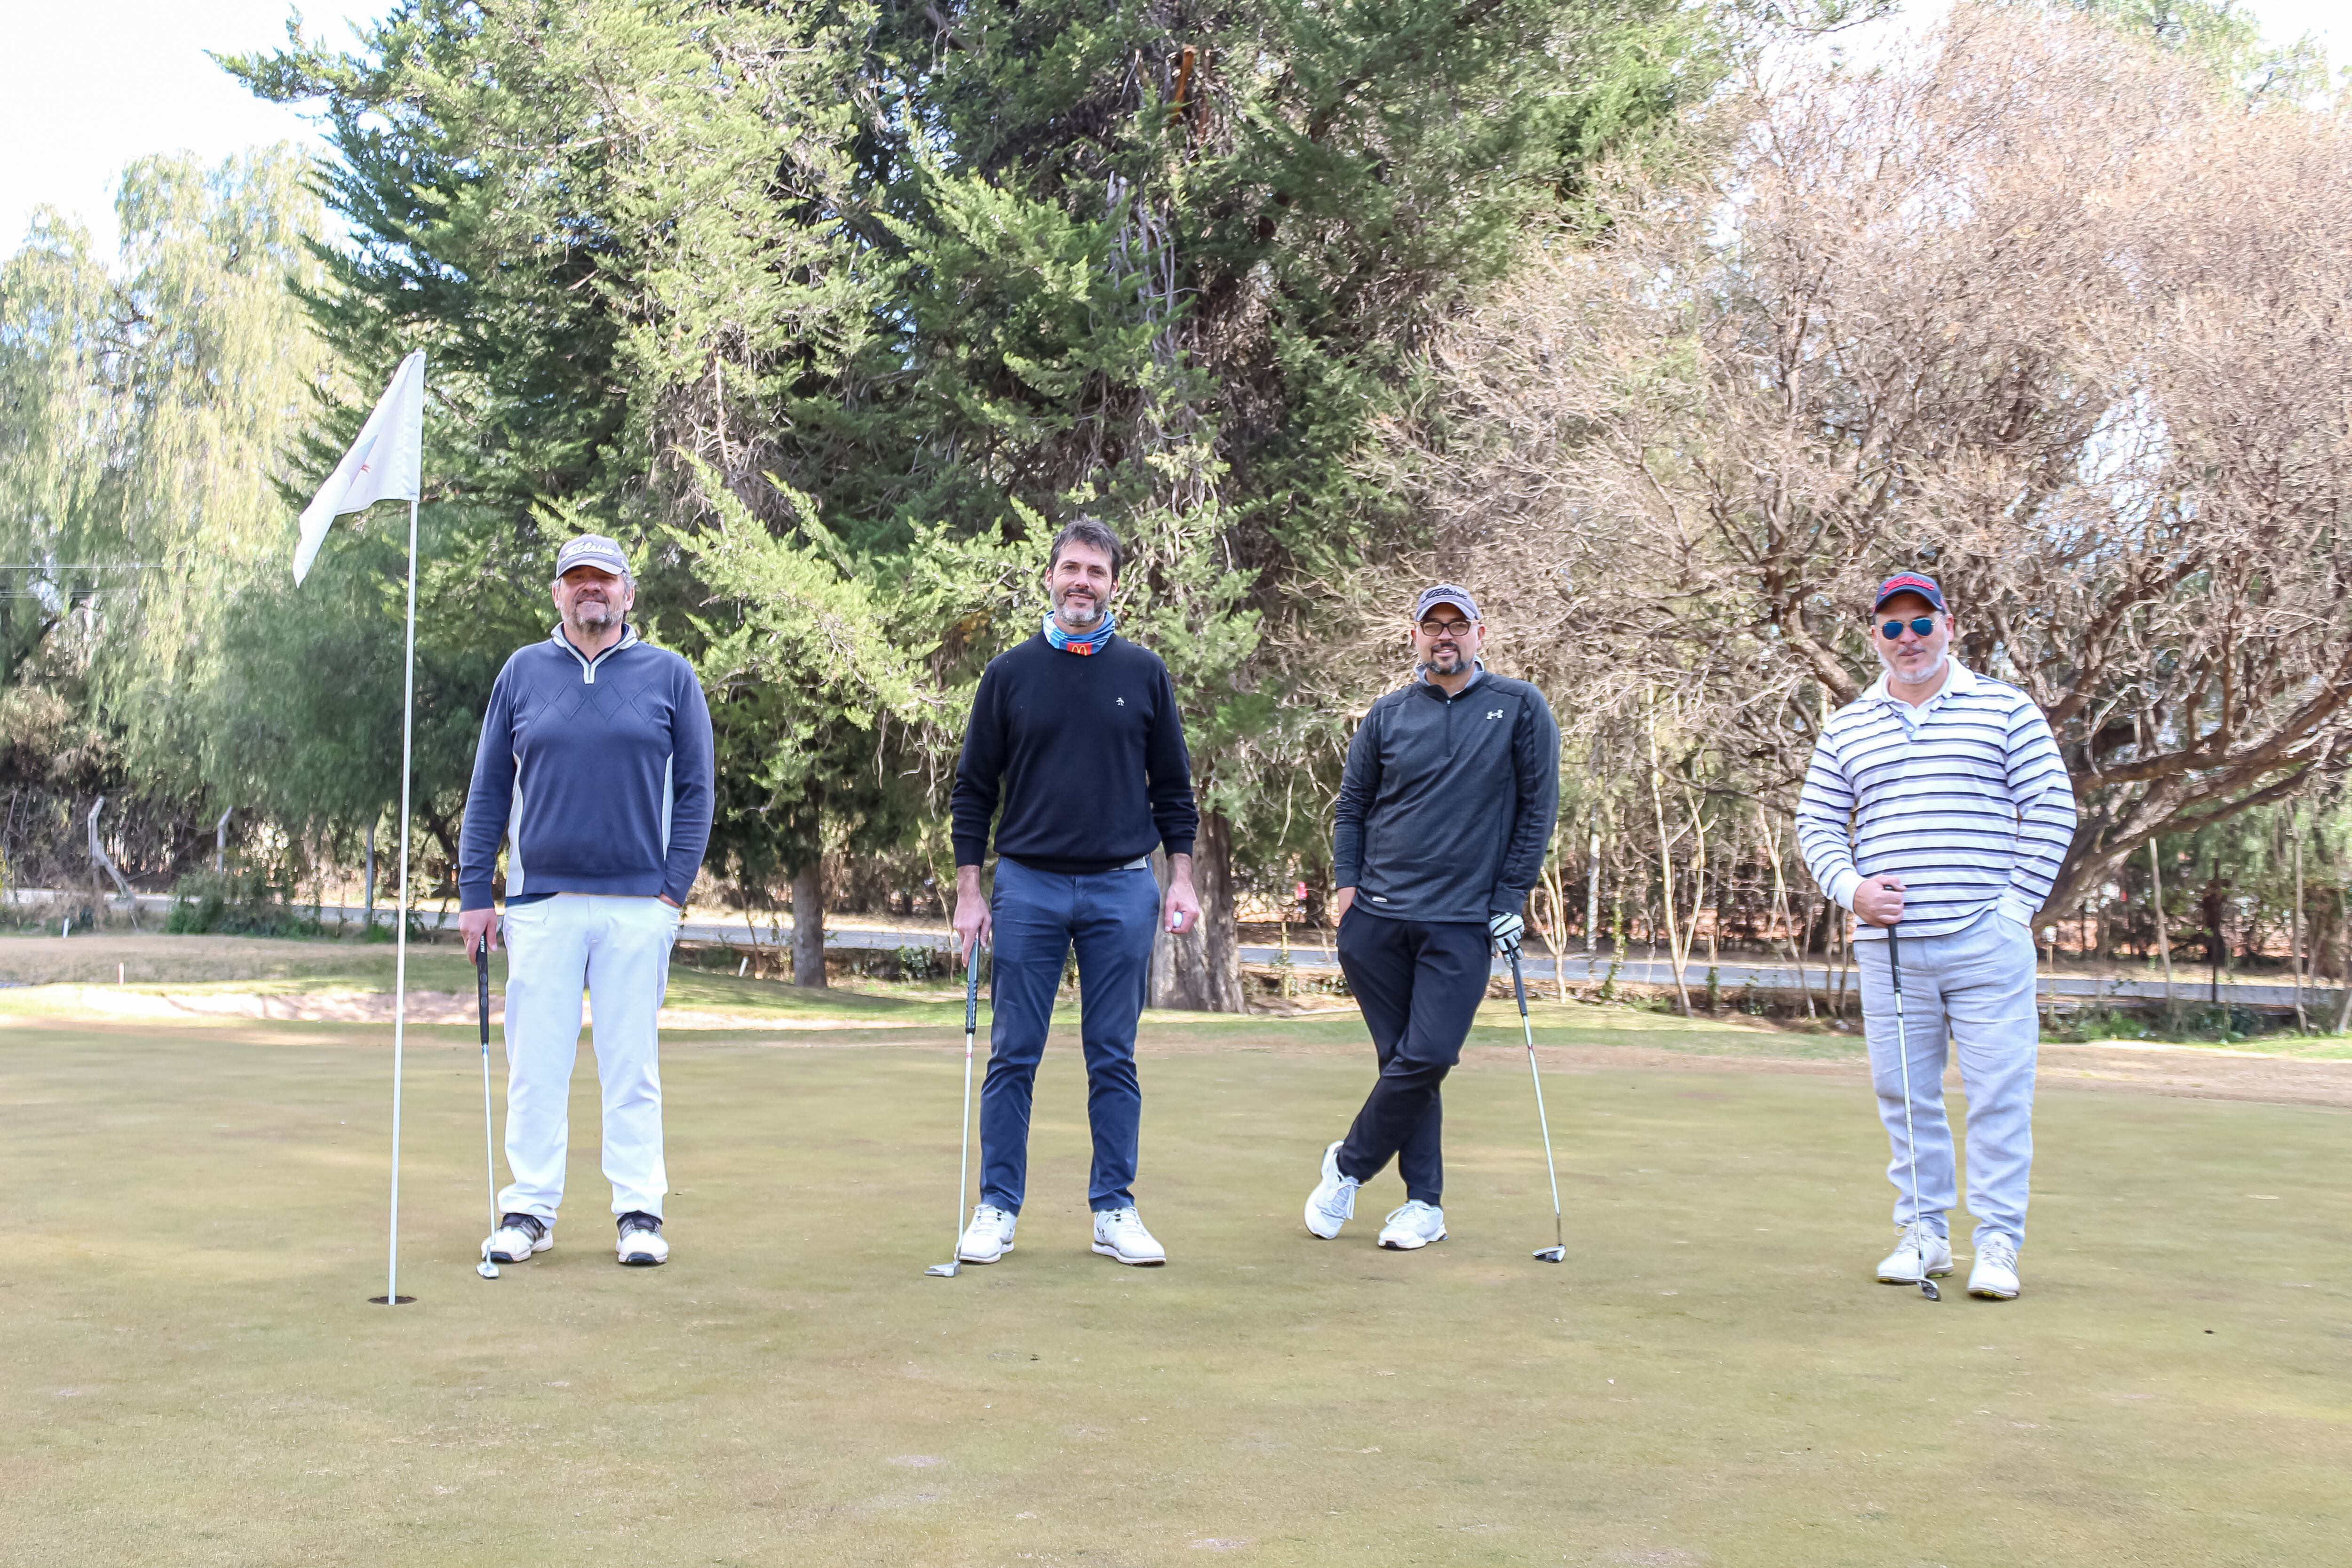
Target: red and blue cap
[1909, 583]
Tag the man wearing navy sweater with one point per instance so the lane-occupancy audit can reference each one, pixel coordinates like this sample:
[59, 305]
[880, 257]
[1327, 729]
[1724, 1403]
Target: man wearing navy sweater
[595, 770]
[1075, 733]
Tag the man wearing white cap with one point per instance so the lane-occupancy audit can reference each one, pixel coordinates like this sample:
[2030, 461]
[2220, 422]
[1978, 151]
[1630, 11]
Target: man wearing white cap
[594, 772]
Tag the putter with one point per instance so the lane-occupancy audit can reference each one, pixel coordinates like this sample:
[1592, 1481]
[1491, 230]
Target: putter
[1557, 1251]
[1903, 1050]
[954, 1265]
[485, 1269]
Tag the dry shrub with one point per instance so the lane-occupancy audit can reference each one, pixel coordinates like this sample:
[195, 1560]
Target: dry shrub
[2026, 304]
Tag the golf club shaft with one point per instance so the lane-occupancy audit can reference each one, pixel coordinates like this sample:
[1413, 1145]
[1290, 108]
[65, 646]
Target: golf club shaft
[1526, 1027]
[1910, 1144]
[482, 1005]
[970, 1028]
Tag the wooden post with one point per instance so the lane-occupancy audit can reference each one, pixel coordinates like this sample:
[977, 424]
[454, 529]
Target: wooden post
[2163, 946]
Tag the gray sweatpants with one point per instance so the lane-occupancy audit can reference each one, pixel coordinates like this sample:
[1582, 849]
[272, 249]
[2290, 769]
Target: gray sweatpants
[1973, 988]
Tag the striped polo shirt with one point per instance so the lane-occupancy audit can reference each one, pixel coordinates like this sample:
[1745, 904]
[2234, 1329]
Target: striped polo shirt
[1965, 797]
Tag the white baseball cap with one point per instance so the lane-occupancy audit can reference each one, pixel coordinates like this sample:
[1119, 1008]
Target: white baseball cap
[592, 550]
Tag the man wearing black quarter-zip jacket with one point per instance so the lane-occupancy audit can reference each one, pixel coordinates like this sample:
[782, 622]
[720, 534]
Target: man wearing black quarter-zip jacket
[1443, 815]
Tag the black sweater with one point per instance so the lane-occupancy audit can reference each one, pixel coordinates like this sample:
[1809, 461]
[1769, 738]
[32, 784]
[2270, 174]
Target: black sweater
[1446, 806]
[1086, 752]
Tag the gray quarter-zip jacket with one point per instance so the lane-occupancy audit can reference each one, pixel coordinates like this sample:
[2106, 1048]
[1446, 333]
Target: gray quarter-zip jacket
[1446, 806]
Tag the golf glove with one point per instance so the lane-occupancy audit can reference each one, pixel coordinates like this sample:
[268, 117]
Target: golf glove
[1505, 929]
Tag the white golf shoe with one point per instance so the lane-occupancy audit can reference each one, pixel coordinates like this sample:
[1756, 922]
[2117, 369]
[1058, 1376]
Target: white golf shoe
[989, 1236]
[1920, 1254]
[1332, 1203]
[518, 1235]
[1119, 1234]
[1414, 1226]
[1995, 1275]
[640, 1243]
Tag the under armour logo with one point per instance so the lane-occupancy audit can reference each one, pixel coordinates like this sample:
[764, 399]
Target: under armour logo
[1495, 713]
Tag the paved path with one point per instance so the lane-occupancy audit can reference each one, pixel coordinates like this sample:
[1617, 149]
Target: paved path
[1731, 975]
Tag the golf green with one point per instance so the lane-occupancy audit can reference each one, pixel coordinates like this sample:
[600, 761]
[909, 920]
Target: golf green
[194, 1374]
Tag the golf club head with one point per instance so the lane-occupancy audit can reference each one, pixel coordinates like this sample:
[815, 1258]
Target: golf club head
[1927, 1289]
[1553, 1255]
[945, 1270]
[487, 1270]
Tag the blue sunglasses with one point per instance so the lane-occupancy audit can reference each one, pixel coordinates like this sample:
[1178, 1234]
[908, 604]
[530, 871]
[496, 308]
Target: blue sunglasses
[1921, 627]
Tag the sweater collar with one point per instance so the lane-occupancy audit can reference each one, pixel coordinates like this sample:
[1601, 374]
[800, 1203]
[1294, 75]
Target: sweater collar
[588, 667]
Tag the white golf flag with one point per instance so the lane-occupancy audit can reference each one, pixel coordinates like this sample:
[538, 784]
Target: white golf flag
[384, 464]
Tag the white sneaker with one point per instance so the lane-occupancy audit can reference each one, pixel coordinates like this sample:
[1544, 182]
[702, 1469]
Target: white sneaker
[1119, 1233]
[518, 1235]
[1919, 1246]
[640, 1244]
[989, 1236]
[1414, 1226]
[1332, 1203]
[1995, 1275]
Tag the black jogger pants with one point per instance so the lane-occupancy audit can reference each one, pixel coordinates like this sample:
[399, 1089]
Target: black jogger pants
[1419, 983]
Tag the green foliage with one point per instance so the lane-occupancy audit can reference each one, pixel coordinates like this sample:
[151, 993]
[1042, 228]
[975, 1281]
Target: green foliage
[145, 414]
[832, 313]
[242, 902]
[813, 706]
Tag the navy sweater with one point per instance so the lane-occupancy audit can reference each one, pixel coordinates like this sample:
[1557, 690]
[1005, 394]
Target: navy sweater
[1086, 752]
[1445, 808]
[600, 769]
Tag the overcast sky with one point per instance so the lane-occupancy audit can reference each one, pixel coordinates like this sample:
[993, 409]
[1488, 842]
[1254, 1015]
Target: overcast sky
[92, 84]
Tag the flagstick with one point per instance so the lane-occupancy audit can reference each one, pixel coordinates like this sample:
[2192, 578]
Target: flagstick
[400, 962]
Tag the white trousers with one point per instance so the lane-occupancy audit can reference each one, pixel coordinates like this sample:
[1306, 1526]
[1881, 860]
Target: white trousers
[617, 949]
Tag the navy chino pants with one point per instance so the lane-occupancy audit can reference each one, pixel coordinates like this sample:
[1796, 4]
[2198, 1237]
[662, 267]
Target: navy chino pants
[1419, 983]
[1038, 917]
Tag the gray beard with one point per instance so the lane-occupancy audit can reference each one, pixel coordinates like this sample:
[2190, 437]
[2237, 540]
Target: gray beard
[1925, 676]
[1078, 621]
[595, 620]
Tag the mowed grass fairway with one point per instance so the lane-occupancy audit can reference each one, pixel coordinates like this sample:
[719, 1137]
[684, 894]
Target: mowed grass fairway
[192, 1375]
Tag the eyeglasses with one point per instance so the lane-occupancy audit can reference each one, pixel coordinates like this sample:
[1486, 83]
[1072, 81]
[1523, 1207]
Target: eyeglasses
[1445, 628]
[1923, 626]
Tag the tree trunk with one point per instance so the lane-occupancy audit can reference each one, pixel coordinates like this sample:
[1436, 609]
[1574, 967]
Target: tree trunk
[808, 923]
[1199, 972]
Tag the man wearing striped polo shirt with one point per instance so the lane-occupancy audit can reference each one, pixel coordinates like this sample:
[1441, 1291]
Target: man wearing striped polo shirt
[1937, 801]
